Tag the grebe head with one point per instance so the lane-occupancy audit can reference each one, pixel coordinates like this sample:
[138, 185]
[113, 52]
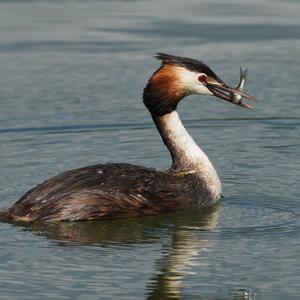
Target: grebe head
[181, 76]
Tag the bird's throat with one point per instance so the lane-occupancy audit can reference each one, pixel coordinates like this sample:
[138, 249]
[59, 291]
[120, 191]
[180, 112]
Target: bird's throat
[186, 154]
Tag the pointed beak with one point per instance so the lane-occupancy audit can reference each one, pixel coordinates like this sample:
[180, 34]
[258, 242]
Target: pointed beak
[227, 93]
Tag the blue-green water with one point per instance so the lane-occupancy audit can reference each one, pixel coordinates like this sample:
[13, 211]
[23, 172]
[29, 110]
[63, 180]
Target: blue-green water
[71, 80]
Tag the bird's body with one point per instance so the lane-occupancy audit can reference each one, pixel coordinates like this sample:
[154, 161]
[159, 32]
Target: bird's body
[109, 191]
[122, 190]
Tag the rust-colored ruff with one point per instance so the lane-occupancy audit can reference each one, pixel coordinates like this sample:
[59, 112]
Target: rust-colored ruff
[163, 91]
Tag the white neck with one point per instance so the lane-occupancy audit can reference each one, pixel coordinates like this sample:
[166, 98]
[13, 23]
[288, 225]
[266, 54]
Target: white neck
[186, 154]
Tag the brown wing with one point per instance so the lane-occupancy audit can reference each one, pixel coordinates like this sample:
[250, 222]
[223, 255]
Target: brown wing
[106, 191]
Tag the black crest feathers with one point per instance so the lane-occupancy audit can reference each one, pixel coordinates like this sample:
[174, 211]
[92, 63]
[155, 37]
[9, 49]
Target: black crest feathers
[188, 63]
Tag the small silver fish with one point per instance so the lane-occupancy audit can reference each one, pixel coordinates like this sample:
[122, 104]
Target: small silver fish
[236, 98]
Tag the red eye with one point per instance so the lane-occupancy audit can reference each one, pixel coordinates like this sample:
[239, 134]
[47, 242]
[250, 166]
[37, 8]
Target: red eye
[202, 78]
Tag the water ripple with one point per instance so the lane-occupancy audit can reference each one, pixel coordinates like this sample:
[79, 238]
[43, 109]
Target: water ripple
[113, 126]
[258, 217]
[211, 32]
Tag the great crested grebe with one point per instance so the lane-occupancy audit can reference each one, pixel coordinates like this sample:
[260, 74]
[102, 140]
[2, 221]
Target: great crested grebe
[123, 190]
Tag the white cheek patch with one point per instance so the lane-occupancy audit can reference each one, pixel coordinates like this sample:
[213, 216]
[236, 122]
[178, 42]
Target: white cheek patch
[202, 90]
[189, 82]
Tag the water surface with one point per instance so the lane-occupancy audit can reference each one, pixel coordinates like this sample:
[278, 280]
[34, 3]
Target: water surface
[71, 81]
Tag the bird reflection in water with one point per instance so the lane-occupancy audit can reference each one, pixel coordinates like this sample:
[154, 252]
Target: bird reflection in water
[187, 231]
